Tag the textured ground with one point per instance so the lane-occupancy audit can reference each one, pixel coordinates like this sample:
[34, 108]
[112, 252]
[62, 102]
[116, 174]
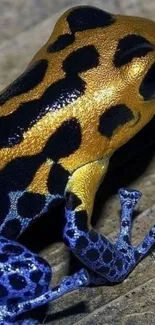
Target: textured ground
[24, 27]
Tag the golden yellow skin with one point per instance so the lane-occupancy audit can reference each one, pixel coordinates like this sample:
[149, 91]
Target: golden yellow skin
[106, 86]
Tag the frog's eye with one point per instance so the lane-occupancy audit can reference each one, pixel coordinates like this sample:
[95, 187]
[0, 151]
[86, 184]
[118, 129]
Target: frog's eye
[130, 47]
[147, 87]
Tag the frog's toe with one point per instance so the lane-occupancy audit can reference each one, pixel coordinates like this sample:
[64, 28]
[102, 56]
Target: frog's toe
[129, 199]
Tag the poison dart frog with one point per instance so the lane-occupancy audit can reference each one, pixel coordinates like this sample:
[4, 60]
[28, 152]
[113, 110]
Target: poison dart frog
[87, 92]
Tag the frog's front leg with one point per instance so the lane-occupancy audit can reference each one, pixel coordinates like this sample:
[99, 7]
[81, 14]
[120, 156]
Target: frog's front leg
[25, 282]
[111, 261]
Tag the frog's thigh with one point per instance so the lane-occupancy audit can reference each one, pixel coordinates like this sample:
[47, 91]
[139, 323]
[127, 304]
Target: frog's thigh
[82, 187]
[93, 249]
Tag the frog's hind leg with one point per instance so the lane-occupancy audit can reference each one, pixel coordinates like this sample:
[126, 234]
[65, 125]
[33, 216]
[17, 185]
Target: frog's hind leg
[112, 261]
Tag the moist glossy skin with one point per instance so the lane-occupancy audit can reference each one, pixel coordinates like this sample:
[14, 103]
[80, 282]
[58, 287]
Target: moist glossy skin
[85, 93]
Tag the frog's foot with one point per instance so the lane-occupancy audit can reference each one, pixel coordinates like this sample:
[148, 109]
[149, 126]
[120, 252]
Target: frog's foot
[112, 262]
[129, 198]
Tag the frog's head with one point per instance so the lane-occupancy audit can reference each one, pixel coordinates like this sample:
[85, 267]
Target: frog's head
[128, 81]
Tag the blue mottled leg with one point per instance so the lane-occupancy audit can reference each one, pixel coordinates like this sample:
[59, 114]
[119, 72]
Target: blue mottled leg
[129, 199]
[66, 285]
[25, 284]
[111, 261]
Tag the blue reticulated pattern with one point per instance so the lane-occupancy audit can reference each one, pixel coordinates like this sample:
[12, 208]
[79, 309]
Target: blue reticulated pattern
[13, 216]
[25, 277]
